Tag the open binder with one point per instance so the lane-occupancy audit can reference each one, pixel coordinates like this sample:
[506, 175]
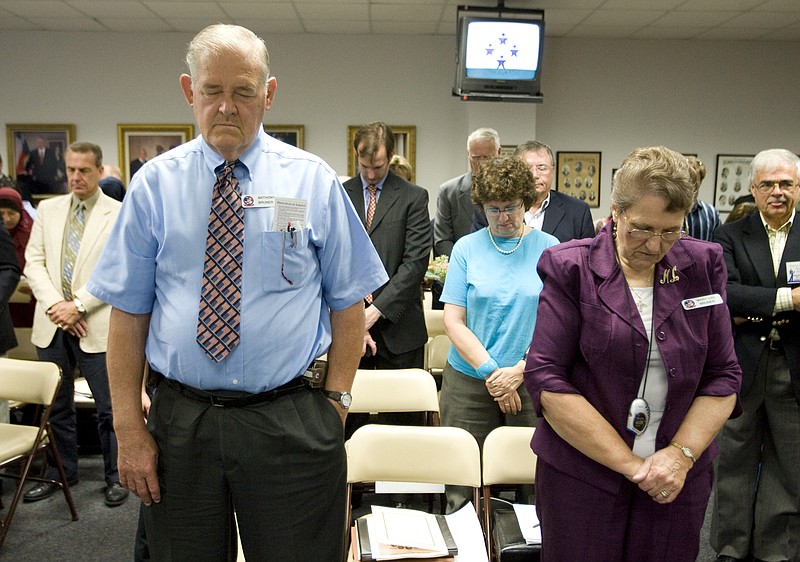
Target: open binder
[399, 534]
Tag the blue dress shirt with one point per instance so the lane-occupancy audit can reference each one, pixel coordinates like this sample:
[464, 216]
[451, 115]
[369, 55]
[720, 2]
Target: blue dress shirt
[153, 263]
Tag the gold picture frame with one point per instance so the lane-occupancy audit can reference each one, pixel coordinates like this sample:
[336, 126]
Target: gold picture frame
[578, 175]
[39, 179]
[290, 134]
[152, 138]
[405, 144]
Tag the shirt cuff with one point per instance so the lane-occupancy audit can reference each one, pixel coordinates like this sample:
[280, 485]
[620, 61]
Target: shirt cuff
[783, 300]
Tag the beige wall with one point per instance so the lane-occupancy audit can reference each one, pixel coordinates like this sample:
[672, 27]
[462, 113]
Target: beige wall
[609, 96]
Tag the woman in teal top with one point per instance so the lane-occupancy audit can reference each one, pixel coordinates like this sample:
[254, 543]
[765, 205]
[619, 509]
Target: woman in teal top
[491, 294]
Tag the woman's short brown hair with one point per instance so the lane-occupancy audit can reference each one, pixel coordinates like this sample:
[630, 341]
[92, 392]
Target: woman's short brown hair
[503, 179]
[655, 170]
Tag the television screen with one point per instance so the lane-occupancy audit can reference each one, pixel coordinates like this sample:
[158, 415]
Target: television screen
[499, 54]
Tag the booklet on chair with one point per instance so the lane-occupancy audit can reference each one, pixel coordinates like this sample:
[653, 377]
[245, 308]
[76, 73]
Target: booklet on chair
[394, 534]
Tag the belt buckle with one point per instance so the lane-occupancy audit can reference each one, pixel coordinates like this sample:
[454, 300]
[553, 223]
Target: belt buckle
[216, 401]
[316, 373]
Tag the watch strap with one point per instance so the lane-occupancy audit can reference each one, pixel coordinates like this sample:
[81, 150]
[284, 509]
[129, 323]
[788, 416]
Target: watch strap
[687, 452]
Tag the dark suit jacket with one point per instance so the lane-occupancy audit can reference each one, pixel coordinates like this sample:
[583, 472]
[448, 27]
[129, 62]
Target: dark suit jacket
[454, 211]
[135, 165]
[9, 277]
[401, 234]
[590, 340]
[566, 218]
[42, 170]
[752, 288]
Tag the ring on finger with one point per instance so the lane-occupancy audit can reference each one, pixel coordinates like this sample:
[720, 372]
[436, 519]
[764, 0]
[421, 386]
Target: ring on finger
[664, 494]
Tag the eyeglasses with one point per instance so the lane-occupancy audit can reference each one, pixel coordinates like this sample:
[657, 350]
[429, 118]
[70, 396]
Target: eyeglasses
[477, 158]
[767, 186]
[668, 236]
[510, 209]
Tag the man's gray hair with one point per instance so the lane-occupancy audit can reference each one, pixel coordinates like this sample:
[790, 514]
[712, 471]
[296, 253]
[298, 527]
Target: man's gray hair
[772, 158]
[484, 134]
[224, 38]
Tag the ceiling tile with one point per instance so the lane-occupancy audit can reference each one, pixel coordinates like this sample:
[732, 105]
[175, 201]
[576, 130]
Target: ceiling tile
[766, 20]
[183, 9]
[136, 24]
[344, 27]
[70, 24]
[47, 9]
[259, 10]
[693, 19]
[339, 12]
[622, 18]
[384, 12]
[124, 10]
[405, 27]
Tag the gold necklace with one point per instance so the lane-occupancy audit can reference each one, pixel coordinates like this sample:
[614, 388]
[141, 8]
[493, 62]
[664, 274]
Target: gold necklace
[505, 252]
[640, 300]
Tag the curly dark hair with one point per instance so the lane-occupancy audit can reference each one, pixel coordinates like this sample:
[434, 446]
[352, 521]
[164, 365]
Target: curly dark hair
[503, 178]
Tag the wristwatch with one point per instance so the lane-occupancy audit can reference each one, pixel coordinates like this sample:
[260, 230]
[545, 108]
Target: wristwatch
[343, 398]
[79, 305]
[687, 452]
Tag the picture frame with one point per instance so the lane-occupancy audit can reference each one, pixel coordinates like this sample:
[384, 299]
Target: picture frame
[731, 180]
[40, 177]
[153, 139]
[290, 134]
[578, 175]
[405, 144]
[507, 150]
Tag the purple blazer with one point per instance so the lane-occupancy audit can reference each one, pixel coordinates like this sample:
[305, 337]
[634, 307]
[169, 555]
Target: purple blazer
[586, 342]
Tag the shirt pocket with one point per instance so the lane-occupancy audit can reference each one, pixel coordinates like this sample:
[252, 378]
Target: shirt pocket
[286, 259]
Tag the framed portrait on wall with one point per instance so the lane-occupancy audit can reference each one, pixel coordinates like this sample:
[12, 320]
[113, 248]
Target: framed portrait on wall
[36, 157]
[405, 144]
[578, 175]
[732, 180]
[290, 134]
[138, 143]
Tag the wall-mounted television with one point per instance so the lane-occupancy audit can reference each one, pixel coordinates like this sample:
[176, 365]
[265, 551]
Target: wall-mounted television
[499, 54]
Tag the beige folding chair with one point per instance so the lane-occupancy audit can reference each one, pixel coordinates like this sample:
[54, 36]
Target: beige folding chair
[34, 382]
[397, 453]
[395, 390]
[436, 353]
[434, 322]
[507, 459]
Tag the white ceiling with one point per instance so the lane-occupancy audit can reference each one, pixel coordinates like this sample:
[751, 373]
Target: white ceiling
[741, 20]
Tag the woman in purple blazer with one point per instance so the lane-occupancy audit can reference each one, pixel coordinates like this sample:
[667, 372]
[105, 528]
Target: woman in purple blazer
[633, 369]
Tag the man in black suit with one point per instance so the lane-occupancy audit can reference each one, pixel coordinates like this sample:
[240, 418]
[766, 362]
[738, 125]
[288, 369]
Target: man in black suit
[395, 214]
[454, 207]
[42, 166]
[757, 499]
[139, 161]
[563, 216]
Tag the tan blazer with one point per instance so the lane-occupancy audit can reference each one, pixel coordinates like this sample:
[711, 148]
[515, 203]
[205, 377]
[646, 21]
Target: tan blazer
[43, 267]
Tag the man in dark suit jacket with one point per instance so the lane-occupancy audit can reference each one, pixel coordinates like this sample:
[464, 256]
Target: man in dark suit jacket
[454, 207]
[757, 501]
[395, 214]
[42, 166]
[563, 216]
[138, 162]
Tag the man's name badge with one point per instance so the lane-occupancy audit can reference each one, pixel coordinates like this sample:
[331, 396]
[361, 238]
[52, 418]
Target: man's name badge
[701, 302]
[793, 272]
[250, 201]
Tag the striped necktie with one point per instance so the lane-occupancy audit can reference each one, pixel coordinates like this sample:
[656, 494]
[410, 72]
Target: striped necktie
[77, 224]
[220, 297]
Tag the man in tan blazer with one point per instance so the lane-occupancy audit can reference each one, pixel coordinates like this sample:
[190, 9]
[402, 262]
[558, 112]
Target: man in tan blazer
[70, 326]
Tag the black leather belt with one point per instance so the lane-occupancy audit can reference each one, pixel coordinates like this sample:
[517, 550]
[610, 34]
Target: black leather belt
[222, 401]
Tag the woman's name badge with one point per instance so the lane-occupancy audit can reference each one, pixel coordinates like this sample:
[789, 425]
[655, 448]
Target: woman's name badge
[701, 302]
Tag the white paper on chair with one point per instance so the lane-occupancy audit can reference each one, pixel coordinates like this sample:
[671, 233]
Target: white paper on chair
[528, 523]
[468, 534]
[404, 533]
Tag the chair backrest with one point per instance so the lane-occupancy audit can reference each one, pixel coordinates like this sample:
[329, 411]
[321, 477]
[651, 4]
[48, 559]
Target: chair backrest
[438, 455]
[28, 381]
[507, 456]
[437, 351]
[394, 390]
[434, 322]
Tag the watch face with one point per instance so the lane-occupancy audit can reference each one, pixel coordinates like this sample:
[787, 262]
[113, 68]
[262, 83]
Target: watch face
[346, 399]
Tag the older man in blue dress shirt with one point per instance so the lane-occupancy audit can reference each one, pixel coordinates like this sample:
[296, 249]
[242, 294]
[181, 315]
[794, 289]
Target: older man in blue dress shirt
[237, 430]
